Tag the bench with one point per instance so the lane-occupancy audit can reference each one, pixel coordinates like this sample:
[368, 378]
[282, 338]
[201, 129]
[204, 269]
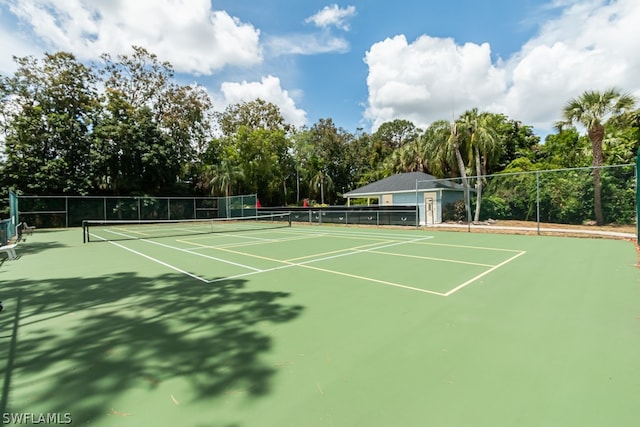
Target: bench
[10, 250]
[27, 229]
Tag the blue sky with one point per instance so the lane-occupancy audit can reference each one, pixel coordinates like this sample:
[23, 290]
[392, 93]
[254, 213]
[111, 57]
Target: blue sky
[360, 62]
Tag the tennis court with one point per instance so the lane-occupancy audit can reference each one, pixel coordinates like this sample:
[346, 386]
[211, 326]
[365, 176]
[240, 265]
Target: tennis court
[278, 325]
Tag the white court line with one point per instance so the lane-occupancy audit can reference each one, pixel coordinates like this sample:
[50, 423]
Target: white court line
[373, 250]
[240, 236]
[369, 279]
[172, 267]
[383, 236]
[377, 242]
[396, 243]
[305, 265]
[187, 251]
[226, 233]
[433, 259]
[248, 267]
[468, 282]
[368, 250]
[243, 244]
[469, 247]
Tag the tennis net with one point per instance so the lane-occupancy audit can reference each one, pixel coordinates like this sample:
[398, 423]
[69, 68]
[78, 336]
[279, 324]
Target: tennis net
[113, 230]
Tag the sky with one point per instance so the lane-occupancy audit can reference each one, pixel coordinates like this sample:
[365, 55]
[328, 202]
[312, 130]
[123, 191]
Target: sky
[359, 62]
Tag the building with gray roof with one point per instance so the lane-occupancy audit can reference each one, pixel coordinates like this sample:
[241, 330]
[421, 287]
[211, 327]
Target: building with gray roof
[430, 194]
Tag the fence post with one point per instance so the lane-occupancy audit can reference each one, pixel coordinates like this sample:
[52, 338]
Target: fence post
[637, 198]
[467, 203]
[418, 209]
[538, 200]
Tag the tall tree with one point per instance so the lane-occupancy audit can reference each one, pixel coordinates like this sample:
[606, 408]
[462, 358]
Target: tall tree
[301, 149]
[480, 130]
[184, 114]
[253, 115]
[518, 141]
[181, 113]
[332, 148]
[256, 133]
[50, 108]
[439, 155]
[391, 136]
[592, 109]
[564, 149]
[445, 147]
[135, 155]
[141, 77]
[223, 176]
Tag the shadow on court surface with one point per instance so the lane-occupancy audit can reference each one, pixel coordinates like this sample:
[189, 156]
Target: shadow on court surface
[78, 344]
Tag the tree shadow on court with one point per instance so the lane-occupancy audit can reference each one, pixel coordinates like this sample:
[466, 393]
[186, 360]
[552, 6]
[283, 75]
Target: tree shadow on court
[27, 248]
[79, 343]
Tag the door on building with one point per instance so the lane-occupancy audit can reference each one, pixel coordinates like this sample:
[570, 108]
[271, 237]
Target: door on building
[429, 209]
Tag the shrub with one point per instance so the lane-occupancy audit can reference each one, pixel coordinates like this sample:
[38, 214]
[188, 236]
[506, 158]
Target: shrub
[454, 211]
[495, 207]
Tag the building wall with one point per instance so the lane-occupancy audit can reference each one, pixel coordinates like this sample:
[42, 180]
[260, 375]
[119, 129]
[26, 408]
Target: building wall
[410, 199]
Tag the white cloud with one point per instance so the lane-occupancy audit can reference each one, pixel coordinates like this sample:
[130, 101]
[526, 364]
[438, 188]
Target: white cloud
[333, 16]
[268, 89]
[12, 44]
[307, 44]
[322, 42]
[428, 79]
[188, 33]
[593, 45]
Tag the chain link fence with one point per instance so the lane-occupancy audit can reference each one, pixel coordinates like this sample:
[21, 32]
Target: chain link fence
[561, 196]
[70, 211]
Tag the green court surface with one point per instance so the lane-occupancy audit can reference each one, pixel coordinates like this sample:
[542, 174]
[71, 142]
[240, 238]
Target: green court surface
[323, 326]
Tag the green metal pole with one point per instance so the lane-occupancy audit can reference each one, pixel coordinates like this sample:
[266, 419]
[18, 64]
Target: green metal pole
[637, 198]
[538, 201]
[418, 209]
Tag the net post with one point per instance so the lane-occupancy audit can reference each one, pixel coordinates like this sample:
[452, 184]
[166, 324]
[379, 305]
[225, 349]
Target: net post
[84, 231]
[14, 213]
[289, 218]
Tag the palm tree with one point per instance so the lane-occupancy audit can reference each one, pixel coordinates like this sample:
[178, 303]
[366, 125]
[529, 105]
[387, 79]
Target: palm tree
[483, 141]
[439, 156]
[222, 176]
[319, 180]
[591, 110]
[444, 145]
